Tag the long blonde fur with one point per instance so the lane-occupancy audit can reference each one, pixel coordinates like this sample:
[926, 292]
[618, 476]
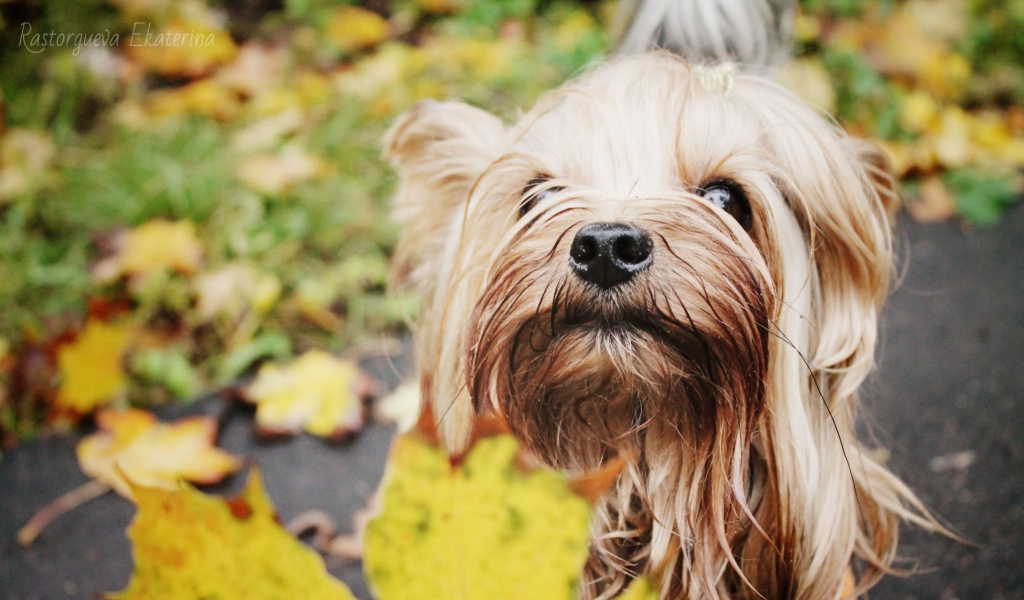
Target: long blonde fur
[745, 477]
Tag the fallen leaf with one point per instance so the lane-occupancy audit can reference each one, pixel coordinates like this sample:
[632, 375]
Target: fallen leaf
[934, 202]
[91, 366]
[317, 392]
[188, 46]
[958, 461]
[919, 112]
[24, 157]
[265, 133]
[401, 407]
[254, 69]
[234, 289]
[807, 78]
[355, 28]
[207, 97]
[275, 173]
[484, 530]
[187, 544]
[952, 142]
[132, 444]
[640, 589]
[152, 247]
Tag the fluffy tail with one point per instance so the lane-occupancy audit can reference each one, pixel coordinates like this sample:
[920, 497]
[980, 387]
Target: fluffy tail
[755, 34]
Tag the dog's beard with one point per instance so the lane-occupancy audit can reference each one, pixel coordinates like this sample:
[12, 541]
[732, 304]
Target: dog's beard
[582, 373]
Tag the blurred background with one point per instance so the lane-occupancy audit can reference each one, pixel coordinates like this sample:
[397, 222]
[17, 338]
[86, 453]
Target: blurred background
[189, 189]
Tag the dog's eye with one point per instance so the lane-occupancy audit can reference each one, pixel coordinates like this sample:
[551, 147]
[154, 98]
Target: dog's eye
[533, 194]
[729, 197]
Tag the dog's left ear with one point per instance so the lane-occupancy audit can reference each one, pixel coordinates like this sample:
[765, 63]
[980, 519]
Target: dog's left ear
[440, 150]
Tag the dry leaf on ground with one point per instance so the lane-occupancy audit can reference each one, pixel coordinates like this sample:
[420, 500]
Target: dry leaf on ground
[191, 545]
[401, 407]
[275, 173]
[934, 202]
[354, 28]
[91, 366]
[318, 392]
[485, 530]
[132, 444]
[184, 47]
[152, 247]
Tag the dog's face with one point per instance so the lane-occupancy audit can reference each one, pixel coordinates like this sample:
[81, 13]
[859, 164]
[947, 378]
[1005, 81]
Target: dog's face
[657, 262]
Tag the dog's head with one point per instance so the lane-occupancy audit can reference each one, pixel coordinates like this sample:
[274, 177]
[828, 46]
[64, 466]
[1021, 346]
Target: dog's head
[662, 262]
[630, 251]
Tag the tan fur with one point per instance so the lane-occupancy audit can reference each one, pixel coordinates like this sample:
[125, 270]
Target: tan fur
[725, 375]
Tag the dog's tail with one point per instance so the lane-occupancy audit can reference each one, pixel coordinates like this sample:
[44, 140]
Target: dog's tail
[755, 34]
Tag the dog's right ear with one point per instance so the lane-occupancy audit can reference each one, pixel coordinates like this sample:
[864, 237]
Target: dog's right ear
[440, 150]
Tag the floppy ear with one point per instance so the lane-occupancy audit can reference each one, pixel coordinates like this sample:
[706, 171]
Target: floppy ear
[440, 150]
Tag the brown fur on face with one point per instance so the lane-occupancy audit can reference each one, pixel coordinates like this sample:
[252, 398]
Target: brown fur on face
[725, 374]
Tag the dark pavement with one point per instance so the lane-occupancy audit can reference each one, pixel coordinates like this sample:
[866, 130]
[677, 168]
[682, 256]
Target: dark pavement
[951, 380]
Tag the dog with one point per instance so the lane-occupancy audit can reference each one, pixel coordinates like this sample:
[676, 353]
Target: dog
[672, 262]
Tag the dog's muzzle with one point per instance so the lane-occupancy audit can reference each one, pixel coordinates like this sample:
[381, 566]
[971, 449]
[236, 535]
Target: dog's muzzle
[607, 254]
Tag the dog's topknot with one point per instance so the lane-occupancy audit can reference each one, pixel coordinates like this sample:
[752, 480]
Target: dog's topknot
[756, 34]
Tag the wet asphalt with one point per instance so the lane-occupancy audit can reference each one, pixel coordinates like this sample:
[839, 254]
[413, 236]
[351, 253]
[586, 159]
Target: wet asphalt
[946, 401]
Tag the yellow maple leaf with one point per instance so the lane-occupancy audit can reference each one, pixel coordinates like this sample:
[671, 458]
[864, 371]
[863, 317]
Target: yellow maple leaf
[132, 444]
[317, 392]
[91, 366]
[152, 247]
[190, 545]
[354, 28]
[485, 530]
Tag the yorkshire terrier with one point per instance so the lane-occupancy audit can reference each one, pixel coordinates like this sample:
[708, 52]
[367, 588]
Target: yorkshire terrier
[680, 264]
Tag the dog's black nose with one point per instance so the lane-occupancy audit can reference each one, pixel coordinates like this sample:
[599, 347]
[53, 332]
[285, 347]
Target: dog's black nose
[608, 254]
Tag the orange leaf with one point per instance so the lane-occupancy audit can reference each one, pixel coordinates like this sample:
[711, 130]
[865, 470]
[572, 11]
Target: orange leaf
[91, 366]
[132, 444]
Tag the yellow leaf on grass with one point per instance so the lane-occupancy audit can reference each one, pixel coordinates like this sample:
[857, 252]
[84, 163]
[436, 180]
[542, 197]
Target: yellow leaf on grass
[207, 97]
[354, 28]
[485, 530]
[317, 392]
[190, 545]
[25, 155]
[233, 290]
[952, 143]
[807, 78]
[133, 444]
[919, 112]
[152, 247]
[191, 46]
[275, 173]
[91, 366]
